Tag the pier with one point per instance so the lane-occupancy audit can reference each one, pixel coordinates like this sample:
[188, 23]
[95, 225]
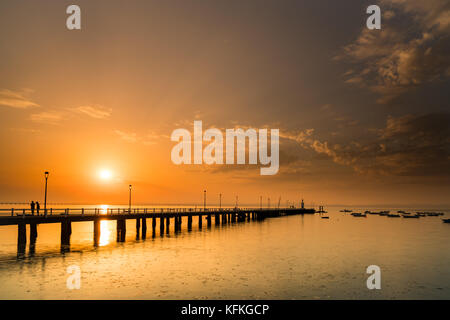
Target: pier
[165, 216]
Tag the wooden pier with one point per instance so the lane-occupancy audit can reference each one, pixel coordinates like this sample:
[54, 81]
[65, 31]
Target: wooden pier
[65, 217]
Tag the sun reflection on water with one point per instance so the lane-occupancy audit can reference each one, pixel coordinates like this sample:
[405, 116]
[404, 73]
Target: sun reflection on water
[105, 233]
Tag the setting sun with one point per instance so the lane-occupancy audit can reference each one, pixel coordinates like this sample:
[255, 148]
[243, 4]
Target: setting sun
[105, 174]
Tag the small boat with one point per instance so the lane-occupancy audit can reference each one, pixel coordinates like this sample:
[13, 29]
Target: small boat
[400, 211]
[325, 217]
[346, 210]
[383, 213]
[432, 214]
[416, 216]
[393, 215]
[359, 214]
[446, 220]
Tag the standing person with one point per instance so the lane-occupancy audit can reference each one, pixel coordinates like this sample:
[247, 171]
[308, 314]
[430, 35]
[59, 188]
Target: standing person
[38, 207]
[32, 205]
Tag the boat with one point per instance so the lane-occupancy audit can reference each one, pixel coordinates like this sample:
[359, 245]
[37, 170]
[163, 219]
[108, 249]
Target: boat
[446, 220]
[325, 217]
[346, 210]
[393, 215]
[359, 214]
[400, 211]
[416, 216]
[367, 212]
[432, 214]
[421, 214]
[383, 213]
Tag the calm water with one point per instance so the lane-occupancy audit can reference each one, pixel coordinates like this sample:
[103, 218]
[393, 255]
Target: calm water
[295, 257]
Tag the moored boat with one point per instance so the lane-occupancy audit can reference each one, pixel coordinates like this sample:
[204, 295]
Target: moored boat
[359, 214]
[393, 215]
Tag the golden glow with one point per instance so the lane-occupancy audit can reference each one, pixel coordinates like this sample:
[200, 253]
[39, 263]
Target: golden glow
[104, 209]
[105, 233]
[105, 174]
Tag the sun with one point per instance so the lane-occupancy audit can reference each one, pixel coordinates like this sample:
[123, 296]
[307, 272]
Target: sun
[105, 174]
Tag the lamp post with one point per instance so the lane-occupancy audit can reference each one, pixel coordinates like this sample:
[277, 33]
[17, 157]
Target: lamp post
[204, 200]
[45, 196]
[129, 200]
[220, 201]
[260, 202]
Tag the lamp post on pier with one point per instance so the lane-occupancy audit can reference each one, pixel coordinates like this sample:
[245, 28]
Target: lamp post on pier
[220, 201]
[46, 173]
[129, 199]
[204, 200]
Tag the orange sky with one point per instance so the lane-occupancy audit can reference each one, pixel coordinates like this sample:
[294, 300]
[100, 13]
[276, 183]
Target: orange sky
[110, 95]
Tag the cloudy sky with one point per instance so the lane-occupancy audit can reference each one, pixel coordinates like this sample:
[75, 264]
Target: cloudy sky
[363, 114]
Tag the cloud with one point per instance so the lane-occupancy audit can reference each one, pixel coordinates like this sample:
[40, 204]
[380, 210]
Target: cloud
[411, 145]
[46, 117]
[94, 111]
[16, 99]
[407, 52]
[127, 136]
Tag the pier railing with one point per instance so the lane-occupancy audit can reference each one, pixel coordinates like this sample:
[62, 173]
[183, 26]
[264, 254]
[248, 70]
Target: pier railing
[124, 211]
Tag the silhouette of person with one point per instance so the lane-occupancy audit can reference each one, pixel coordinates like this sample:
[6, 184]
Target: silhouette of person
[38, 207]
[32, 207]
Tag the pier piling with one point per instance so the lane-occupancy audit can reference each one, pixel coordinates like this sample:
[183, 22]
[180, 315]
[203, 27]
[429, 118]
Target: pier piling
[96, 232]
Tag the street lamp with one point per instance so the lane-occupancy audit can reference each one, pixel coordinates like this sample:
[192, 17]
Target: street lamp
[129, 201]
[204, 200]
[220, 201]
[45, 197]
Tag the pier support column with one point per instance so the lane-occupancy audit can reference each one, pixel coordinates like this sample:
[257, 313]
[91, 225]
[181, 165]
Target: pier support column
[176, 222]
[121, 230]
[21, 239]
[217, 219]
[138, 228]
[200, 220]
[161, 225]
[224, 218]
[96, 232]
[189, 222]
[66, 231]
[144, 228]
[178, 218]
[208, 220]
[33, 237]
[167, 224]
[33, 232]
